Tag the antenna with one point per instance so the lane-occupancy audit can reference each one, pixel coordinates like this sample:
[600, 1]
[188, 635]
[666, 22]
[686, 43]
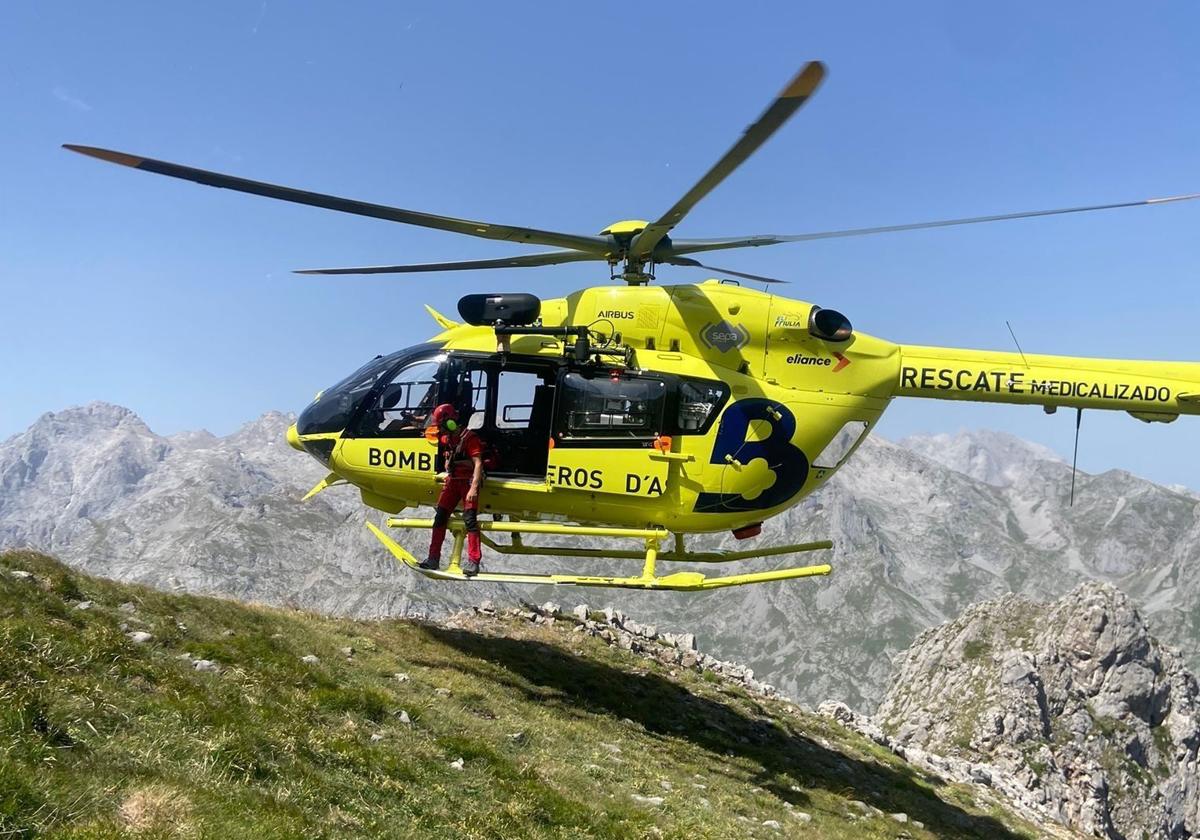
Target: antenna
[1014, 338]
[1075, 457]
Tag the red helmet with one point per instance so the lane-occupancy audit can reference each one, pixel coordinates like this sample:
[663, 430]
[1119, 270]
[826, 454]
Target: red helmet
[444, 412]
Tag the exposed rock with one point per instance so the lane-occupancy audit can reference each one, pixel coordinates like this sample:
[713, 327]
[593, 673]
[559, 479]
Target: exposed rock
[84, 605]
[457, 764]
[1071, 708]
[310, 659]
[205, 665]
[139, 637]
[626, 634]
[649, 801]
[864, 808]
[847, 717]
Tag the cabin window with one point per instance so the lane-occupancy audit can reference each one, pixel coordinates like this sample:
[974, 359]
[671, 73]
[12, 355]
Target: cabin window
[843, 443]
[699, 402]
[515, 398]
[603, 406]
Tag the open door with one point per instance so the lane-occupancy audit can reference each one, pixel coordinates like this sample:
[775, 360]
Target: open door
[511, 406]
[523, 413]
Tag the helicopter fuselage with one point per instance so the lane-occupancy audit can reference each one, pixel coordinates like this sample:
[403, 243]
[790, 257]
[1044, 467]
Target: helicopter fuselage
[703, 408]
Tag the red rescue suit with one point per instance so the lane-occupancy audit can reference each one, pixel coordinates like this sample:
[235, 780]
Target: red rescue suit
[461, 449]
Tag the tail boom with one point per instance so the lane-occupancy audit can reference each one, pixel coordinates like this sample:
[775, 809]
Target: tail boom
[1151, 391]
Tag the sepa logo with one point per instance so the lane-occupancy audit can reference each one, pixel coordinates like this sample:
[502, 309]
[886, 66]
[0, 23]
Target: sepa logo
[724, 336]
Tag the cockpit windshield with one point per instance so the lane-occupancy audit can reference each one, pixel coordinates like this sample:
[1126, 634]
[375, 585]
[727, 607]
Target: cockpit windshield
[333, 408]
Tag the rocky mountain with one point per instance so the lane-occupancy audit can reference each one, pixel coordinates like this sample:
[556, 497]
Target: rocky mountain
[995, 458]
[922, 531]
[1071, 706]
[190, 512]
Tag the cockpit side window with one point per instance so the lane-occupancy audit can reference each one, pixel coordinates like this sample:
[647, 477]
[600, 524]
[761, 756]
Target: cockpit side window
[405, 403]
[698, 403]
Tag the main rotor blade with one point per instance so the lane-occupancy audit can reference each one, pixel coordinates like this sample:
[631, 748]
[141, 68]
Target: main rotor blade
[695, 246]
[787, 103]
[486, 230]
[690, 263]
[523, 261]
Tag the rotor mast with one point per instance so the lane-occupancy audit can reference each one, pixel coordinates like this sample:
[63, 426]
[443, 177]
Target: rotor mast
[622, 265]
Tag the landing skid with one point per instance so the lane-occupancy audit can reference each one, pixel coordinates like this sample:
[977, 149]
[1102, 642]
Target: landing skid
[652, 538]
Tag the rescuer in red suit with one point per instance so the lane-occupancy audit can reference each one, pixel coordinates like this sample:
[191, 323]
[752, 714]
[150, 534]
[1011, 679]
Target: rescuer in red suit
[462, 451]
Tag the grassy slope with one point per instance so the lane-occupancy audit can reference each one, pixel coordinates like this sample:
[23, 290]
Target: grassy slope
[100, 736]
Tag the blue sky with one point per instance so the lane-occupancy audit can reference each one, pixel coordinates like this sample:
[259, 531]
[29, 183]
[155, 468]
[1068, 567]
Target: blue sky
[177, 301]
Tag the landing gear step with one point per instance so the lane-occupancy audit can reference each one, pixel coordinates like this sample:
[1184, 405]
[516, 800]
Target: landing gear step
[647, 580]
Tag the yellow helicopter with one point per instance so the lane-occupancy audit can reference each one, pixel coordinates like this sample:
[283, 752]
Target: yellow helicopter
[651, 412]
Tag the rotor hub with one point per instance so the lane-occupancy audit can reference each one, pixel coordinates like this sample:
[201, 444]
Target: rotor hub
[626, 229]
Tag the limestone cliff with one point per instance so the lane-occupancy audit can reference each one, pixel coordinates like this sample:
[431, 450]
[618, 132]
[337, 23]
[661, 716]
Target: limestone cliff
[1071, 706]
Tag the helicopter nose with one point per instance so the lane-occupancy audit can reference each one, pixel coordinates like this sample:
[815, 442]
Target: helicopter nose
[293, 438]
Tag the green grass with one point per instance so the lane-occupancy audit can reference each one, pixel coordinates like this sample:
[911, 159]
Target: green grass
[1164, 748]
[101, 737]
[976, 649]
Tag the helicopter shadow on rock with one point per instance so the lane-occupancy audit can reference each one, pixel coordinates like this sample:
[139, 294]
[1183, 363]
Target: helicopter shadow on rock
[550, 676]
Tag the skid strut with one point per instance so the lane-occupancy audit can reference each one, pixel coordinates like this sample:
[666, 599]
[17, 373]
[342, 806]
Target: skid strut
[651, 553]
